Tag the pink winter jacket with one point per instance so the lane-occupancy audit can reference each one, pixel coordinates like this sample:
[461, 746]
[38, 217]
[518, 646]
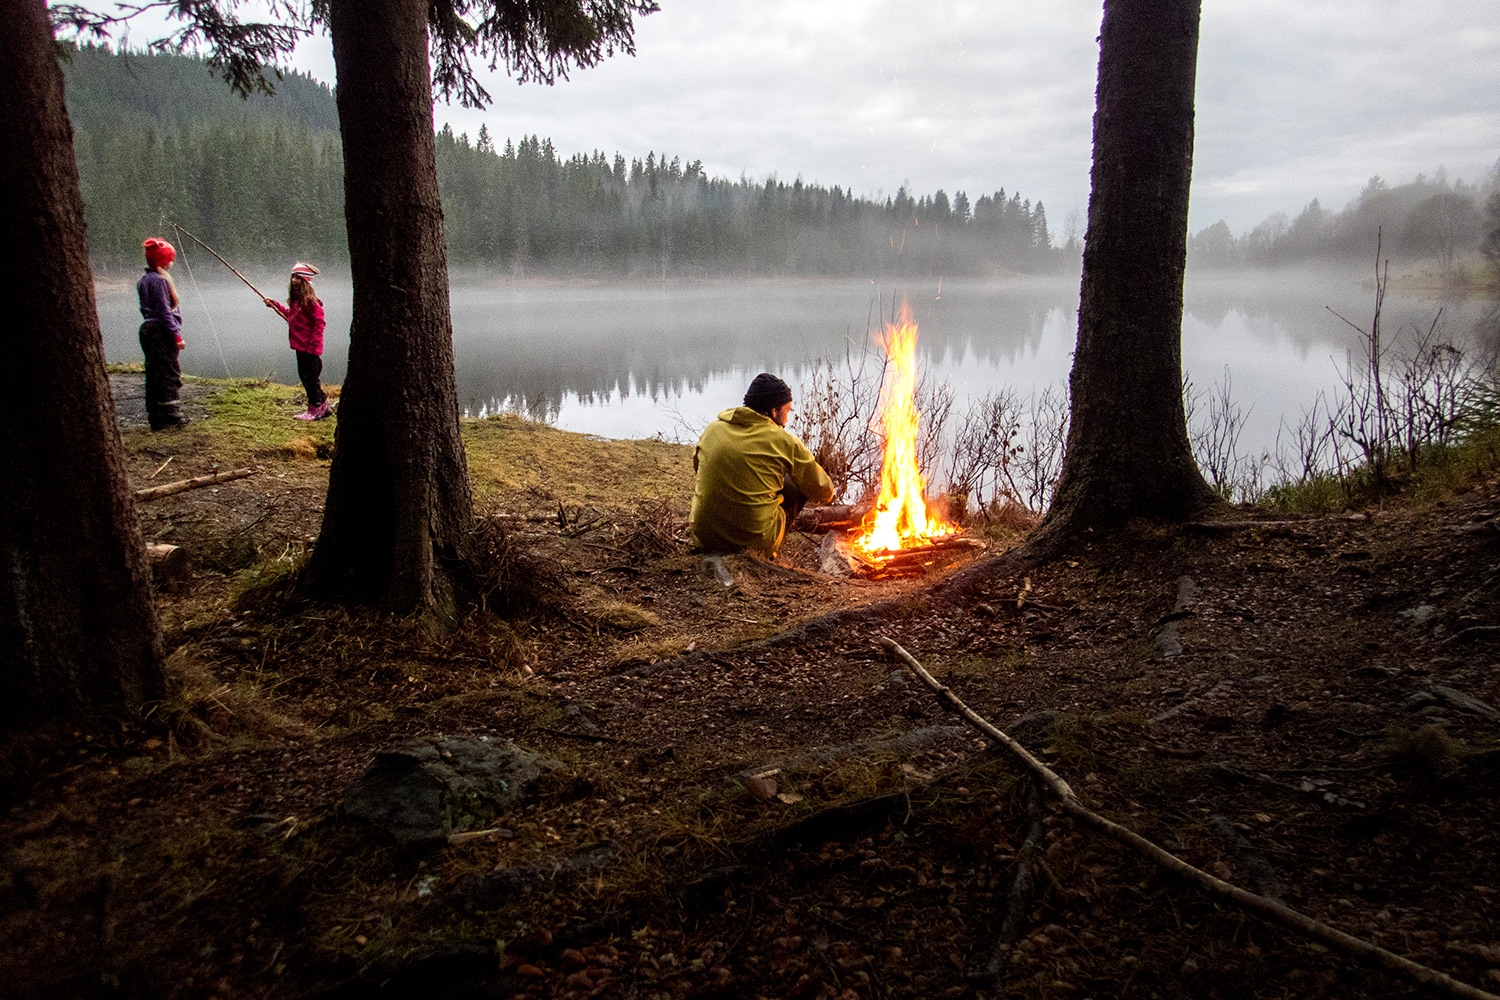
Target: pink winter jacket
[304, 332]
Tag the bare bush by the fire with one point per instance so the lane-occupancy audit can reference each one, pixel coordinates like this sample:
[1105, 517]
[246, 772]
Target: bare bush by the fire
[1215, 438]
[838, 417]
[835, 417]
[511, 578]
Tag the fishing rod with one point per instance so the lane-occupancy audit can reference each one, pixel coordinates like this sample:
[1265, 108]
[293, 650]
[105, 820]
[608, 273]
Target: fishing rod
[226, 263]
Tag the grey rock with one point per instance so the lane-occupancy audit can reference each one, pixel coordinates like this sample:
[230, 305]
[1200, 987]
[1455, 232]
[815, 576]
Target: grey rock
[1420, 700]
[1467, 702]
[420, 792]
[1420, 613]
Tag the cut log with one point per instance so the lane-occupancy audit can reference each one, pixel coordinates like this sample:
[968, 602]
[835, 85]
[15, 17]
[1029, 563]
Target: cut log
[816, 520]
[170, 566]
[183, 485]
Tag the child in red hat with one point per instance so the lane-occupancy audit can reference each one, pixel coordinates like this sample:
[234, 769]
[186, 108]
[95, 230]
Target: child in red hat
[303, 313]
[161, 335]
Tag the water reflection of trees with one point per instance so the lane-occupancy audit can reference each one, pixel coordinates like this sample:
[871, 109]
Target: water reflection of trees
[598, 347]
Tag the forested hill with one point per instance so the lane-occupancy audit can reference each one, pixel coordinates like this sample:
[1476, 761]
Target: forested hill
[160, 140]
[174, 92]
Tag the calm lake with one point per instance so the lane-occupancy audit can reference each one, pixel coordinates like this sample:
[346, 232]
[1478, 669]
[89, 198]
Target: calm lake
[637, 360]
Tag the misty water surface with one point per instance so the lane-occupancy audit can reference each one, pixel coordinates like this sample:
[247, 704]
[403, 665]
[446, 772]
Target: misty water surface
[637, 360]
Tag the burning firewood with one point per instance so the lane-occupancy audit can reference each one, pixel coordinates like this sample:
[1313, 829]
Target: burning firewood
[899, 535]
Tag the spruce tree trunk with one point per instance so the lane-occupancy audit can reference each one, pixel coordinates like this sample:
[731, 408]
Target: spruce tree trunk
[1128, 451]
[79, 638]
[399, 509]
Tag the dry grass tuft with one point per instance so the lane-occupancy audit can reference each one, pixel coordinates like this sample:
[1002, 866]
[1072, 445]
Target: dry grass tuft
[621, 616]
[513, 579]
[1429, 750]
[307, 448]
[198, 708]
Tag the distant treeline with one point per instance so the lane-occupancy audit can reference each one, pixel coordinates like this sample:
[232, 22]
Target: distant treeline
[525, 207]
[1424, 219]
[160, 141]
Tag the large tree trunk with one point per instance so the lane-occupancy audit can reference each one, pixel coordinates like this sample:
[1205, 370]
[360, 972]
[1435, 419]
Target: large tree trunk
[79, 638]
[399, 508]
[1128, 453]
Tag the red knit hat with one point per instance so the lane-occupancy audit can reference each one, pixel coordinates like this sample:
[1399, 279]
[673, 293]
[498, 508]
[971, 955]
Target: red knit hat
[158, 252]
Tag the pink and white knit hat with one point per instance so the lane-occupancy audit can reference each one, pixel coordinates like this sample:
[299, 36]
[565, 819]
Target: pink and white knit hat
[302, 269]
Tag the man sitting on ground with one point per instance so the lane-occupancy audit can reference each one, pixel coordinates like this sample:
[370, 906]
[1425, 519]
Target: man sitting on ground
[753, 476]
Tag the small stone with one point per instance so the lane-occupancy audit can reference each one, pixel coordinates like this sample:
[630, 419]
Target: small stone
[899, 677]
[762, 789]
[1190, 967]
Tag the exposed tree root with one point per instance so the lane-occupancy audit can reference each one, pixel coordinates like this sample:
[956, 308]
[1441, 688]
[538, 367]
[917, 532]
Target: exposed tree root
[1023, 893]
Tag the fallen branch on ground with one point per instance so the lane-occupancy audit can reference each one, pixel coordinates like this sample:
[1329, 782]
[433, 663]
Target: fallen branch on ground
[183, 485]
[1268, 909]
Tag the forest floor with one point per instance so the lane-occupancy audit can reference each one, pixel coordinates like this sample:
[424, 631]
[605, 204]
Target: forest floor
[1301, 707]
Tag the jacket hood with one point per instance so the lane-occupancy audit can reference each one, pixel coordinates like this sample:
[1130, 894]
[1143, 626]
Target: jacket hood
[743, 416]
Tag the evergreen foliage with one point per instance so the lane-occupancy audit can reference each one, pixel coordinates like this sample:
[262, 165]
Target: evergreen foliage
[160, 141]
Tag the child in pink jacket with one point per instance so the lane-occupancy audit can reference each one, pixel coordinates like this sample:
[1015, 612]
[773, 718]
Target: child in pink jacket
[303, 313]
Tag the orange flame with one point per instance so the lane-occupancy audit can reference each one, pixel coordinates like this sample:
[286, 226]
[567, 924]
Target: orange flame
[900, 516]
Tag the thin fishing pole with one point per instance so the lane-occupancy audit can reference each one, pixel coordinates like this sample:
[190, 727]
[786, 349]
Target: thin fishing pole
[221, 260]
[206, 311]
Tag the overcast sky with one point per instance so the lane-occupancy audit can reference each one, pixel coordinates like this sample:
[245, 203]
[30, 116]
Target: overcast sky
[1297, 99]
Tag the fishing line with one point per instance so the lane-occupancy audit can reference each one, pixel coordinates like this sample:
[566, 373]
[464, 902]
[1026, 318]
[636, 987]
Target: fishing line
[204, 302]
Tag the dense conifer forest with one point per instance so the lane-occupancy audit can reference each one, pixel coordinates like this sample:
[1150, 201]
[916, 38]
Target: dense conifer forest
[160, 141]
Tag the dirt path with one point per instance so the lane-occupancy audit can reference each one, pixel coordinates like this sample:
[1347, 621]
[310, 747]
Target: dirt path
[129, 392]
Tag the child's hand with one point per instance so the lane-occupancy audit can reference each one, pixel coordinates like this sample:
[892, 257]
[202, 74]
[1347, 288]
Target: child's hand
[268, 302]
[180, 342]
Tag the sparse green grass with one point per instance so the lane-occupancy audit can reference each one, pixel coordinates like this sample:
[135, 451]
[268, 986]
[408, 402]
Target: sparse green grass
[508, 454]
[1441, 472]
[250, 419]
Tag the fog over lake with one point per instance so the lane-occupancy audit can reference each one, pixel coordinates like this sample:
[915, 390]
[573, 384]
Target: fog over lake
[640, 359]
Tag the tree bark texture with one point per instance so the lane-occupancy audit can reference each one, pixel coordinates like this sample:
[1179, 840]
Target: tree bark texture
[79, 638]
[399, 508]
[1128, 452]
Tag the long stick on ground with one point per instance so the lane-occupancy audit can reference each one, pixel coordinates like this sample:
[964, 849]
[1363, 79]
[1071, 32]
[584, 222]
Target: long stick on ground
[1268, 909]
[183, 485]
[211, 250]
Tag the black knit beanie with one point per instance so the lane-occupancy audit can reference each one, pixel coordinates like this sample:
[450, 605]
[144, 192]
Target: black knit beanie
[766, 393]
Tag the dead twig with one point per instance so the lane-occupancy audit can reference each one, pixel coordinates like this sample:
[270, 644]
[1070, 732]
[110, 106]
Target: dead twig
[183, 485]
[1267, 909]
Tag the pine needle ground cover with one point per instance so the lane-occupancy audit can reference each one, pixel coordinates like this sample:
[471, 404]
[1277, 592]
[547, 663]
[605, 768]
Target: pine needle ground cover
[749, 805]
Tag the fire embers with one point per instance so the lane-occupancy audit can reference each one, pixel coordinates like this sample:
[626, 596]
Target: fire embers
[840, 556]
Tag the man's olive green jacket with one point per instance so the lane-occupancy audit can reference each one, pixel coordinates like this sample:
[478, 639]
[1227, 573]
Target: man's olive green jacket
[742, 461]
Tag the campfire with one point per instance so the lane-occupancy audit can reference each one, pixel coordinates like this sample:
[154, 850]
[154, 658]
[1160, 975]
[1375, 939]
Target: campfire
[901, 534]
